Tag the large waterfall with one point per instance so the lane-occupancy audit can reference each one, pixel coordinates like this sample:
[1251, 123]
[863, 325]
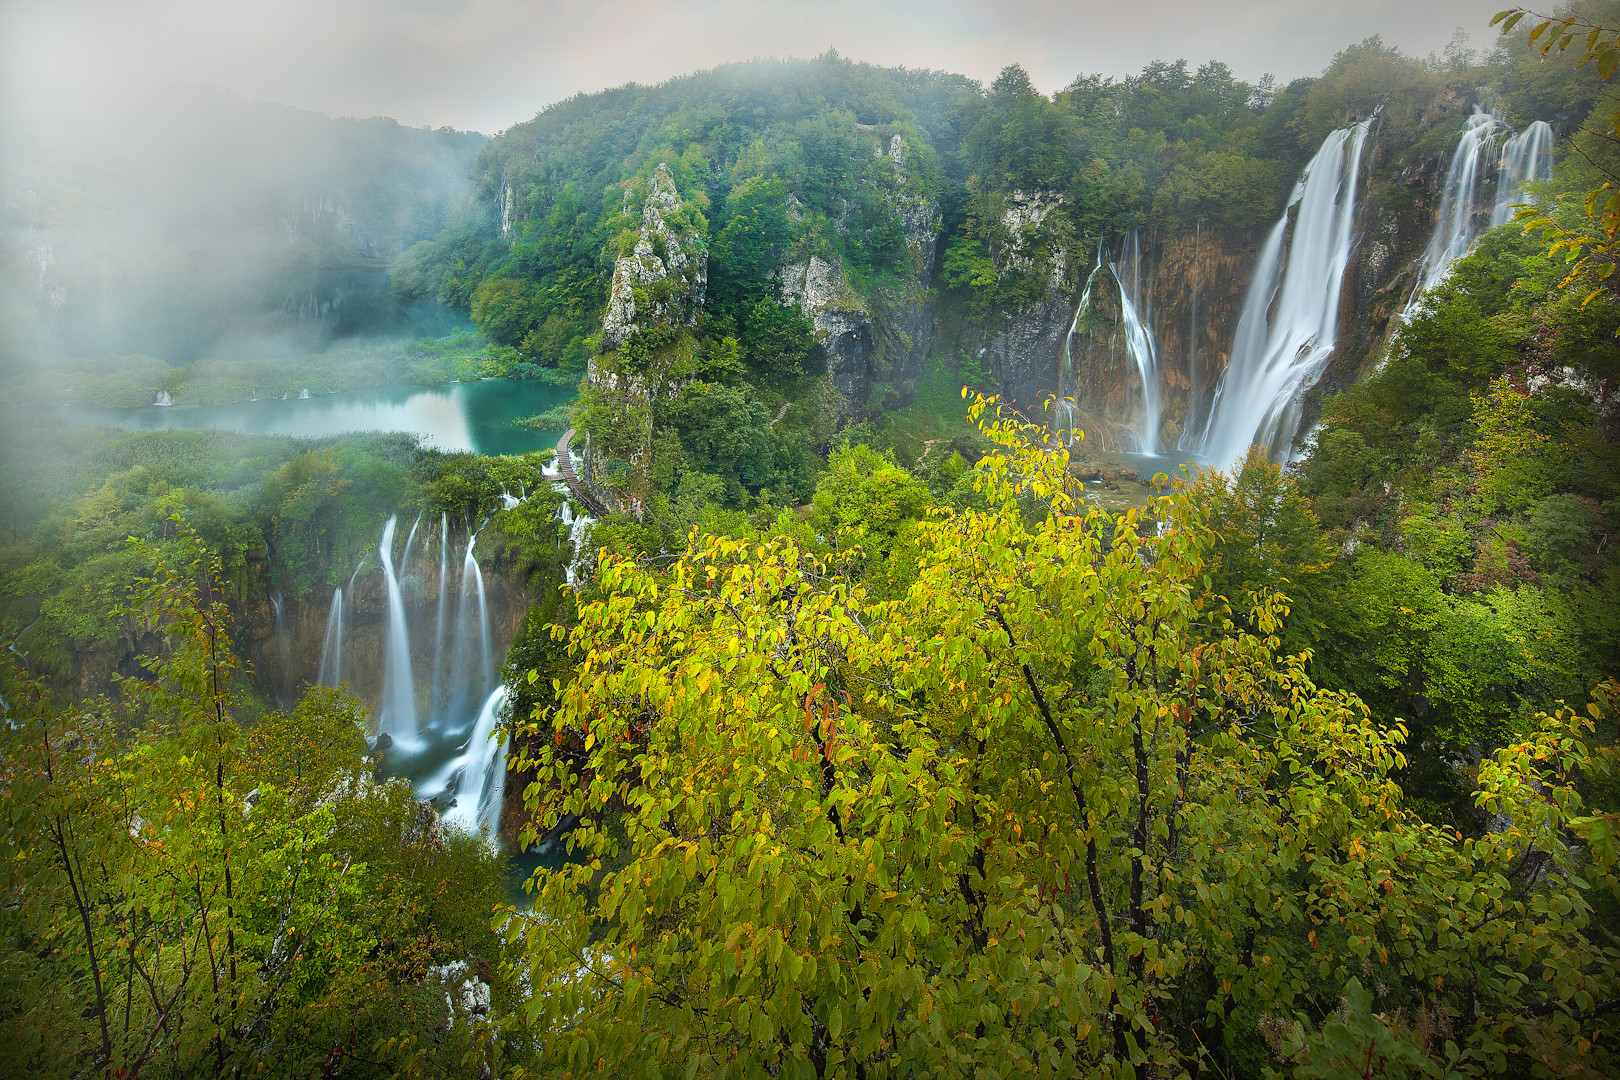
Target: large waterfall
[476, 777]
[1134, 330]
[331, 672]
[1290, 318]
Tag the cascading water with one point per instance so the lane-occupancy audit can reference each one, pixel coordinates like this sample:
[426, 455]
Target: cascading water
[1065, 419]
[398, 705]
[1192, 341]
[405, 559]
[1290, 318]
[331, 673]
[1526, 156]
[438, 625]
[475, 781]
[1459, 220]
[579, 533]
[1139, 343]
[469, 676]
[282, 658]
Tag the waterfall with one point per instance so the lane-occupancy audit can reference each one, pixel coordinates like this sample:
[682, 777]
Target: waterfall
[405, 559]
[1526, 156]
[1458, 222]
[398, 705]
[332, 648]
[1192, 342]
[579, 529]
[281, 637]
[163, 398]
[303, 395]
[1139, 343]
[1290, 318]
[477, 778]
[1066, 374]
[438, 626]
[470, 677]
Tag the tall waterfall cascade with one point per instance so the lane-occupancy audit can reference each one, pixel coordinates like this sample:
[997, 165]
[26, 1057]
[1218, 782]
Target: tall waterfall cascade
[474, 782]
[331, 671]
[447, 730]
[1139, 341]
[398, 705]
[1134, 331]
[1465, 208]
[1290, 318]
[1527, 156]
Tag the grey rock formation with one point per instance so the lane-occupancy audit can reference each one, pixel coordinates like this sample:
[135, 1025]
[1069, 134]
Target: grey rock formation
[665, 277]
[842, 324]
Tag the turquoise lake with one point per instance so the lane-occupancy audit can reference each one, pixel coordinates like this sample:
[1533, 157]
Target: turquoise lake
[480, 417]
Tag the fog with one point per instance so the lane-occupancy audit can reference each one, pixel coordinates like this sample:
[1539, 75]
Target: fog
[188, 221]
[486, 64]
[152, 202]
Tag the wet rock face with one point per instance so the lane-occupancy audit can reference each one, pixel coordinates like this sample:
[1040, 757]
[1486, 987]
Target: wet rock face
[1023, 353]
[665, 277]
[819, 289]
[875, 341]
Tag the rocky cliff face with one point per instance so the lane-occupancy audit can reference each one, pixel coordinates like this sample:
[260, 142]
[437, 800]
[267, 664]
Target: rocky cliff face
[875, 341]
[664, 278]
[285, 652]
[1190, 290]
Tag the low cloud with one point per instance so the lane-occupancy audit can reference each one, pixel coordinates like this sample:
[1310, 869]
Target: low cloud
[486, 64]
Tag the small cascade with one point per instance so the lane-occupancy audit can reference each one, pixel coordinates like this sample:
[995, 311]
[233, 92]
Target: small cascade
[398, 698]
[1139, 342]
[303, 395]
[1192, 342]
[163, 399]
[1460, 218]
[438, 625]
[579, 533]
[474, 783]
[1526, 156]
[1290, 318]
[1066, 416]
[470, 676]
[405, 559]
[331, 673]
[253, 395]
[281, 636]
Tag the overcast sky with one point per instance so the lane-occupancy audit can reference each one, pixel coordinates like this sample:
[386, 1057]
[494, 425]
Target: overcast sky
[486, 64]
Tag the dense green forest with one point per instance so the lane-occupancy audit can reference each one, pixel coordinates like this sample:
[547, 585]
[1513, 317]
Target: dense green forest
[880, 737]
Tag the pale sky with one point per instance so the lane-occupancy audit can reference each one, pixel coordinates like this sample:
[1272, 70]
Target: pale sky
[486, 64]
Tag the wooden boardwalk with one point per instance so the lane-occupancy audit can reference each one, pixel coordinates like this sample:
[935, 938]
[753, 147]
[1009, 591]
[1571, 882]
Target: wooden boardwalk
[565, 466]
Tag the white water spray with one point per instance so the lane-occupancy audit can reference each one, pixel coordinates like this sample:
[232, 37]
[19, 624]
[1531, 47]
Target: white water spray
[1526, 156]
[398, 706]
[1140, 344]
[438, 626]
[331, 673]
[1290, 318]
[477, 778]
[1459, 220]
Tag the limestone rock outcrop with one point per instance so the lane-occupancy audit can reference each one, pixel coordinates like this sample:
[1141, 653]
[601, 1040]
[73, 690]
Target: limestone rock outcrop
[665, 277]
[842, 324]
[875, 341]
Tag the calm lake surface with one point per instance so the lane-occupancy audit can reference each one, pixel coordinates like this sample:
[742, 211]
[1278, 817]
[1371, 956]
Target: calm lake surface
[478, 416]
